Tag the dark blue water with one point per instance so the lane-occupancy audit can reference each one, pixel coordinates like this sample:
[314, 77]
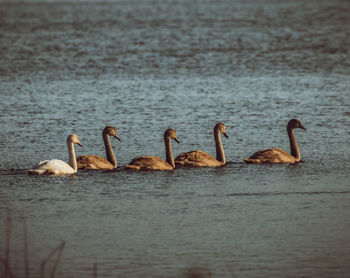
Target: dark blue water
[75, 67]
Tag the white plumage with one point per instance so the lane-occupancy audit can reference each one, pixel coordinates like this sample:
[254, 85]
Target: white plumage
[56, 166]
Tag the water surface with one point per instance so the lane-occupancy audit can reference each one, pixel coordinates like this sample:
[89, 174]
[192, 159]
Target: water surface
[75, 67]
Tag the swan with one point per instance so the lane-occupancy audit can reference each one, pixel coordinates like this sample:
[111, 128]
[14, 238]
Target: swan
[199, 158]
[275, 155]
[147, 163]
[95, 162]
[56, 166]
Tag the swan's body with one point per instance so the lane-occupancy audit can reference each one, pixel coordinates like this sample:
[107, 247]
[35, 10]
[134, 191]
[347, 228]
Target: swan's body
[275, 155]
[199, 158]
[95, 162]
[52, 167]
[56, 166]
[272, 155]
[149, 163]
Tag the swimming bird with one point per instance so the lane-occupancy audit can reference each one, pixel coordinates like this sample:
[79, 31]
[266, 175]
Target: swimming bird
[56, 166]
[275, 155]
[95, 162]
[148, 163]
[199, 158]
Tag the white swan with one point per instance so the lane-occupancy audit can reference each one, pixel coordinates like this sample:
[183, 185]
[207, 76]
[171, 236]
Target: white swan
[148, 163]
[275, 155]
[56, 166]
[95, 162]
[202, 159]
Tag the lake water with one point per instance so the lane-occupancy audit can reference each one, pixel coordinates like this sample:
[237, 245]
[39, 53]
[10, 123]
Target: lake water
[144, 66]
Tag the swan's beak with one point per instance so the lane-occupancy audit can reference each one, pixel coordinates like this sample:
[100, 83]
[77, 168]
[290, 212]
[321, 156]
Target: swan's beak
[302, 127]
[177, 140]
[225, 134]
[116, 136]
[80, 144]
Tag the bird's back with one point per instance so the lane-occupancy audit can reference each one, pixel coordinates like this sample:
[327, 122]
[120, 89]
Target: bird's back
[93, 162]
[52, 167]
[196, 158]
[272, 155]
[147, 163]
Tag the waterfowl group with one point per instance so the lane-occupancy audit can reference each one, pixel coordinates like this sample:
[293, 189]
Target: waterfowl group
[195, 158]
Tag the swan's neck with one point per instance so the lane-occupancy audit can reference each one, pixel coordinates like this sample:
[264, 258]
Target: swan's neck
[220, 154]
[72, 158]
[294, 150]
[109, 151]
[169, 153]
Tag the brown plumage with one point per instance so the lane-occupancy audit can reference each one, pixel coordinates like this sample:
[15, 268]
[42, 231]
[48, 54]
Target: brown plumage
[95, 162]
[149, 163]
[199, 158]
[275, 155]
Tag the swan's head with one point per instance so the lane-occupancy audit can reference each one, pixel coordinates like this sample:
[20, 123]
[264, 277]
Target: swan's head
[111, 131]
[171, 133]
[74, 139]
[295, 123]
[220, 127]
